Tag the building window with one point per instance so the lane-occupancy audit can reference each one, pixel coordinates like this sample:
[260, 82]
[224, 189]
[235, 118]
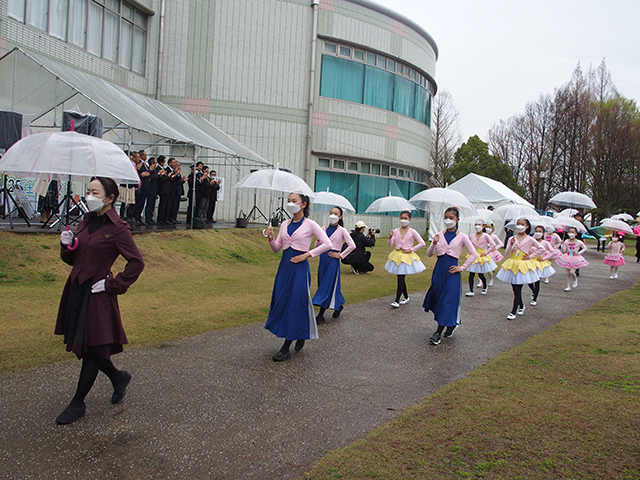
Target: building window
[365, 167]
[324, 162]
[352, 166]
[393, 172]
[385, 170]
[375, 168]
[111, 29]
[358, 55]
[330, 47]
[338, 164]
[345, 51]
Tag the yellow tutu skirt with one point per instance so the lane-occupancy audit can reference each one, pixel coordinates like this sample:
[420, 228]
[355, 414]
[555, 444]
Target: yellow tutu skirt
[400, 263]
[518, 271]
[482, 258]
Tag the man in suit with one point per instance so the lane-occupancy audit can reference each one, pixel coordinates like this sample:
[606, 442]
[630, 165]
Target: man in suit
[145, 182]
[213, 196]
[152, 193]
[192, 183]
[164, 192]
[177, 182]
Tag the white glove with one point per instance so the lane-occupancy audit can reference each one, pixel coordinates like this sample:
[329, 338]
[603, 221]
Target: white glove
[66, 238]
[98, 287]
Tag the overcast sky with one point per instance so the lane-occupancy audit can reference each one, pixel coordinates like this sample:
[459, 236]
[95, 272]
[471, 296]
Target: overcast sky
[497, 55]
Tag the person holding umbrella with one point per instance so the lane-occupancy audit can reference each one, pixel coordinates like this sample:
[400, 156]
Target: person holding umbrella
[89, 317]
[444, 294]
[291, 314]
[328, 294]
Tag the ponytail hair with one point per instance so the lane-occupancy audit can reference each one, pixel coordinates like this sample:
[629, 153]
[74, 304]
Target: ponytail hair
[304, 198]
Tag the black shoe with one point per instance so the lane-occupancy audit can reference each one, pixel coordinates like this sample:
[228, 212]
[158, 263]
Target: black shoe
[151, 222]
[337, 313]
[320, 320]
[71, 414]
[173, 222]
[299, 345]
[120, 390]
[214, 221]
[281, 357]
[449, 331]
[142, 223]
[435, 338]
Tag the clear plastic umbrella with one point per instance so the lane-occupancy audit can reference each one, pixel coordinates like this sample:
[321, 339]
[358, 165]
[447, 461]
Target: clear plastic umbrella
[616, 225]
[563, 223]
[623, 216]
[567, 212]
[534, 220]
[507, 213]
[389, 204]
[325, 201]
[572, 199]
[68, 156]
[437, 200]
[269, 181]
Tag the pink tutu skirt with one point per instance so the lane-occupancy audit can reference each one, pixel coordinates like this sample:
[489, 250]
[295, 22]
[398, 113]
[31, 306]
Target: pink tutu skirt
[571, 261]
[496, 255]
[613, 260]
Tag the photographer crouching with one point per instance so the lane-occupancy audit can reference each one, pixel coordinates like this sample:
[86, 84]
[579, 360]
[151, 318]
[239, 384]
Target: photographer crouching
[359, 258]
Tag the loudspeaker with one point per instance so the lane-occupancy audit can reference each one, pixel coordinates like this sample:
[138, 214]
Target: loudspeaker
[87, 124]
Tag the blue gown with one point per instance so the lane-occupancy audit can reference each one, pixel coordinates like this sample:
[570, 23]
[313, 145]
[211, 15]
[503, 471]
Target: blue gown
[444, 296]
[328, 294]
[291, 314]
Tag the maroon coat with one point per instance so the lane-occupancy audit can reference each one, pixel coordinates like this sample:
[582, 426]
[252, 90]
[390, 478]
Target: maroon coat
[94, 258]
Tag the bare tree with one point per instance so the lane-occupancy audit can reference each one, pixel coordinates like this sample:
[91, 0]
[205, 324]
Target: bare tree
[445, 136]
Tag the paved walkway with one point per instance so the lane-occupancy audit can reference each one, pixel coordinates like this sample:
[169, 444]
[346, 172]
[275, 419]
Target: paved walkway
[216, 406]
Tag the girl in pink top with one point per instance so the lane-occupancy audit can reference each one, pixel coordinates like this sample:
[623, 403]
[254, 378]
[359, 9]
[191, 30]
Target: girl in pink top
[291, 314]
[328, 294]
[614, 258]
[554, 239]
[571, 258]
[519, 268]
[542, 263]
[495, 253]
[404, 260]
[445, 292]
[483, 263]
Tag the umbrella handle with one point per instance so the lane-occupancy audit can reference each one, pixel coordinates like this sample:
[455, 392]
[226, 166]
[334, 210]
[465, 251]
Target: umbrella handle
[264, 230]
[75, 242]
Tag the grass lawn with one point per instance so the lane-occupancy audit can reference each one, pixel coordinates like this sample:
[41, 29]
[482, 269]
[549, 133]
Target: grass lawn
[564, 405]
[193, 282]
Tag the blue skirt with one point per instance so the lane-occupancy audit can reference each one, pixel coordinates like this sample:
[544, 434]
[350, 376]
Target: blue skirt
[291, 314]
[445, 293]
[328, 294]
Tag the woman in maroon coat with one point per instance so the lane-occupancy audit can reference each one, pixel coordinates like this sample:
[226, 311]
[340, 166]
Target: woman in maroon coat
[89, 317]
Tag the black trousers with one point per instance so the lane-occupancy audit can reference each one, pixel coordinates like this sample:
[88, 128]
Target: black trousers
[165, 206]
[211, 210]
[150, 207]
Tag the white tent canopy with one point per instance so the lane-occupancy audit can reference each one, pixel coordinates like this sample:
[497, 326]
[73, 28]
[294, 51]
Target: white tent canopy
[483, 192]
[34, 85]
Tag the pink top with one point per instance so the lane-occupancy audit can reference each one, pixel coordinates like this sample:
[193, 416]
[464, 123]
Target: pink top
[636, 231]
[301, 238]
[549, 251]
[482, 242]
[527, 245]
[339, 236]
[554, 239]
[406, 242]
[453, 249]
[616, 248]
[573, 245]
[497, 241]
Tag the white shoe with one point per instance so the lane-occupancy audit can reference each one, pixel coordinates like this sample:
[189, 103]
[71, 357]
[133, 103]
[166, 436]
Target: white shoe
[511, 316]
[395, 304]
[611, 277]
[479, 284]
[533, 303]
[469, 294]
[546, 280]
[575, 283]
[491, 283]
[520, 311]
[483, 292]
[615, 275]
[568, 289]
[404, 301]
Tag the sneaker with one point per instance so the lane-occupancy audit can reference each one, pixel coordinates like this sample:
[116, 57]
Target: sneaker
[320, 320]
[395, 304]
[479, 284]
[546, 280]
[491, 283]
[435, 338]
[511, 316]
[404, 301]
[575, 283]
[483, 292]
[354, 270]
[568, 289]
[449, 332]
[611, 277]
[533, 303]
[521, 311]
[615, 275]
[469, 294]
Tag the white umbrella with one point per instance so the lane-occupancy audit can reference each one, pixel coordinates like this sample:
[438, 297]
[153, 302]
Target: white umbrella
[617, 225]
[534, 220]
[484, 214]
[563, 223]
[623, 216]
[269, 180]
[325, 201]
[437, 200]
[567, 212]
[513, 212]
[68, 156]
[389, 204]
[572, 199]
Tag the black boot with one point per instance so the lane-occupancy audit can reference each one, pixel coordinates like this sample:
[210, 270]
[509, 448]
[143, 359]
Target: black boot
[299, 345]
[72, 413]
[120, 390]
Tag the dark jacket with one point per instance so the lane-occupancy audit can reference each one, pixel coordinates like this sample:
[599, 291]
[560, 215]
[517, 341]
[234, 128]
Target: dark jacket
[164, 184]
[213, 193]
[153, 183]
[145, 182]
[361, 241]
[93, 260]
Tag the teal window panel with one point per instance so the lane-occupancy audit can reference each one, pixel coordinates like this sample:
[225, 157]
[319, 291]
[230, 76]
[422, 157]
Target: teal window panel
[342, 79]
[378, 88]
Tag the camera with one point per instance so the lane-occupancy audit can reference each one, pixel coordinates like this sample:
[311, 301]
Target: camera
[373, 231]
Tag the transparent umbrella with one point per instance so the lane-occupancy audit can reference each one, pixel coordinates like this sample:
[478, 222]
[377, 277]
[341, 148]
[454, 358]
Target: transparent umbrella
[572, 199]
[616, 225]
[389, 204]
[534, 220]
[567, 212]
[325, 201]
[563, 223]
[513, 212]
[623, 216]
[437, 200]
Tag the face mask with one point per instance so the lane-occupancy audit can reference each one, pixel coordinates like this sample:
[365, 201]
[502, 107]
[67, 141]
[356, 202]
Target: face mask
[94, 204]
[333, 219]
[614, 239]
[404, 222]
[293, 208]
[572, 235]
[520, 228]
[449, 223]
[487, 230]
[537, 235]
[478, 228]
